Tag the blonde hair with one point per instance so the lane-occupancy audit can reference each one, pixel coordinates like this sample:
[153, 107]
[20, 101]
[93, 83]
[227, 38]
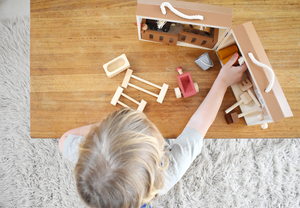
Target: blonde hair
[121, 161]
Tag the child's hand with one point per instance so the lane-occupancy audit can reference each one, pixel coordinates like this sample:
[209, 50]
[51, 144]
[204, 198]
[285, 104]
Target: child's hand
[231, 75]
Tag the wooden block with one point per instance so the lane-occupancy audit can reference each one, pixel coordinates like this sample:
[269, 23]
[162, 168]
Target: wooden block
[234, 117]
[116, 66]
[177, 92]
[196, 87]
[116, 96]
[228, 51]
[228, 118]
[162, 93]
[126, 78]
[142, 105]
[224, 61]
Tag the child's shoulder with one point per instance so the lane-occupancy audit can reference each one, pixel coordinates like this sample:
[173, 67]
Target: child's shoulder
[71, 147]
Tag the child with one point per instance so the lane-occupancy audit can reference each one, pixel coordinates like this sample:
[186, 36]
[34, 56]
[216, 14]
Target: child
[120, 162]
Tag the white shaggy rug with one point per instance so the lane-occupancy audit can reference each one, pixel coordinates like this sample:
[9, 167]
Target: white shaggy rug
[228, 173]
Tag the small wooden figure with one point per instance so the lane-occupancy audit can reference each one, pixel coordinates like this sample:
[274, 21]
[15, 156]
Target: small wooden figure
[117, 96]
[245, 98]
[116, 66]
[160, 96]
[187, 86]
[143, 26]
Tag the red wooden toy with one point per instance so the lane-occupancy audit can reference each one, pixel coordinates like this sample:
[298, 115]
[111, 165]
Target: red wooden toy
[187, 87]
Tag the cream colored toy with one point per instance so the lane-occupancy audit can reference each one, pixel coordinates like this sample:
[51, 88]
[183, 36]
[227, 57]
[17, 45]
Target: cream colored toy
[116, 66]
[117, 95]
[160, 96]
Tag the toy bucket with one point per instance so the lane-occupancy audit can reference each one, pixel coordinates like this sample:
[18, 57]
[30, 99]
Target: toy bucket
[204, 61]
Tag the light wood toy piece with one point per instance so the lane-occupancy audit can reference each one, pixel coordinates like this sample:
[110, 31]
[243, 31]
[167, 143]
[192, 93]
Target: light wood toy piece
[264, 126]
[245, 98]
[241, 60]
[234, 117]
[117, 95]
[160, 96]
[116, 66]
[246, 85]
[187, 86]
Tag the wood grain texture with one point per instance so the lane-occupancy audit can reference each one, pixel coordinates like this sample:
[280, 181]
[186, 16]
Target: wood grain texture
[71, 40]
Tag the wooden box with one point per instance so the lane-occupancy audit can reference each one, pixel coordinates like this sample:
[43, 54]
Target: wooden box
[184, 32]
[192, 33]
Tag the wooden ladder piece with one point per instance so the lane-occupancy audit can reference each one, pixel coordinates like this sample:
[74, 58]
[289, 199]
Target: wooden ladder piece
[160, 96]
[117, 95]
[246, 85]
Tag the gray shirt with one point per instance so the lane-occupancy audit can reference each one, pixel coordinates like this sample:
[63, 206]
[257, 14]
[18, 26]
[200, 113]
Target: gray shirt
[184, 150]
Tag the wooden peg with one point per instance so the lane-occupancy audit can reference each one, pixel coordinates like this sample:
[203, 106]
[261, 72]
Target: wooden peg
[234, 117]
[160, 96]
[251, 93]
[245, 98]
[241, 60]
[117, 96]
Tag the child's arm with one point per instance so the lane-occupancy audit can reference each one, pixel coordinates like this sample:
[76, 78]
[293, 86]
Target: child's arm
[205, 115]
[81, 131]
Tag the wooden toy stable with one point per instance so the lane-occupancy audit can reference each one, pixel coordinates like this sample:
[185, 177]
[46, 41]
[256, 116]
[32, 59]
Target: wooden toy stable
[274, 105]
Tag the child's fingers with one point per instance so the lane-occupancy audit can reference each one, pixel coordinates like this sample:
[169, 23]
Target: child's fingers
[242, 68]
[232, 60]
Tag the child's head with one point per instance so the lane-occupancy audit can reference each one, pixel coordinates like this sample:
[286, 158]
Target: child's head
[120, 161]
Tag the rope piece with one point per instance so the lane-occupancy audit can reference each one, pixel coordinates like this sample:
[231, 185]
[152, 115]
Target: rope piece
[266, 67]
[207, 64]
[175, 11]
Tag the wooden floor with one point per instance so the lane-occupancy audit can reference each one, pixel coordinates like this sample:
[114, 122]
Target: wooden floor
[71, 40]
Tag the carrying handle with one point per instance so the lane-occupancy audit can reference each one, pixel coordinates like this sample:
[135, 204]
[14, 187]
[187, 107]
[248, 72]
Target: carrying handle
[266, 67]
[209, 65]
[178, 13]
